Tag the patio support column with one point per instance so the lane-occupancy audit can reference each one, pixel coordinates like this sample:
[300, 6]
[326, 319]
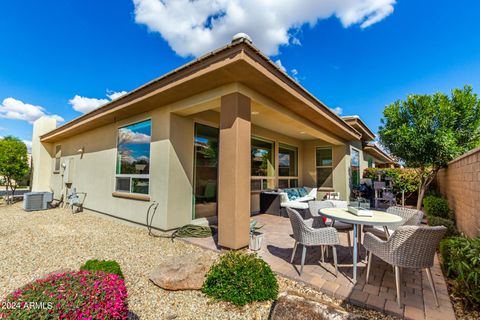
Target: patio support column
[234, 172]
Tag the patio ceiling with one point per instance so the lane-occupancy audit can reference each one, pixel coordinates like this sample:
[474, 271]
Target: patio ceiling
[289, 124]
[265, 113]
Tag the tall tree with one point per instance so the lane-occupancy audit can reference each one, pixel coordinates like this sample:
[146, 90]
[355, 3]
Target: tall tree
[428, 131]
[13, 162]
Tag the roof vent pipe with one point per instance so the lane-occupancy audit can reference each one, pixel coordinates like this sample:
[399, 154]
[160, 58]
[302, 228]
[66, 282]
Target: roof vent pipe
[241, 36]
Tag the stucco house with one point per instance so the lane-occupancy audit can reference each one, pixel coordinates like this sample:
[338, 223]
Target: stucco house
[202, 142]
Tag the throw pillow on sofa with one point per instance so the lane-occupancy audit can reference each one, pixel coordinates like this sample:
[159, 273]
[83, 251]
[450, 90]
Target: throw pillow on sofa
[292, 194]
[302, 192]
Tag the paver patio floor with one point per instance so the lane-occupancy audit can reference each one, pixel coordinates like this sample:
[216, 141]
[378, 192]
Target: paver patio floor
[379, 294]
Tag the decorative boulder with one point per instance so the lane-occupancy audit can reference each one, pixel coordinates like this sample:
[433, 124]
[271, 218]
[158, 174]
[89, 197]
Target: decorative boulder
[182, 273]
[291, 306]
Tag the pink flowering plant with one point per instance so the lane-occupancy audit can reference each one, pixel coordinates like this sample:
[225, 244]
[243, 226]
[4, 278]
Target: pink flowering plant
[72, 295]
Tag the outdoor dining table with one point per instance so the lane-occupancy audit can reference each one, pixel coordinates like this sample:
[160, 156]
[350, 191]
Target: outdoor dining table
[379, 218]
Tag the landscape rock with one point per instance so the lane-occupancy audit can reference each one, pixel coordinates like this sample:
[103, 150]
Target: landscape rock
[182, 273]
[294, 306]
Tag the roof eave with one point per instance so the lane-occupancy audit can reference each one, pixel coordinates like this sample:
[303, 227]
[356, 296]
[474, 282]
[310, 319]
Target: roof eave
[378, 153]
[240, 46]
[362, 127]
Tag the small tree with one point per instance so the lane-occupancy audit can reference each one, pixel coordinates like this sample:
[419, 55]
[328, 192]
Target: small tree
[13, 162]
[428, 131]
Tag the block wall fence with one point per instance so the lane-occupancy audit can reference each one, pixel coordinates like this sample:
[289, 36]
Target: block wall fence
[459, 182]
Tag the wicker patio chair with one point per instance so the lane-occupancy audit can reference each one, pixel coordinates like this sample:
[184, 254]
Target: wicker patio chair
[305, 234]
[410, 217]
[407, 247]
[314, 208]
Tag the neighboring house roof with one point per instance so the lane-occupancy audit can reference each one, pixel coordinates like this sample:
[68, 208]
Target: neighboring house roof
[360, 126]
[373, 149]
[237, 62]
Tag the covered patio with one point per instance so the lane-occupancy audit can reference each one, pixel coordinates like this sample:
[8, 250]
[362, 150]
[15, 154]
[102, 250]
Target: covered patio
[379, 294]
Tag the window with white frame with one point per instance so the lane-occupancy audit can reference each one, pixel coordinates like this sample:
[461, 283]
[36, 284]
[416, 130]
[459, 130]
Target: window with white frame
[324, 164]
[58, 156]
[133, 158]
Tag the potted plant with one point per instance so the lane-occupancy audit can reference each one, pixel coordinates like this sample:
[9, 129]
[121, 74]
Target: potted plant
[255, 236]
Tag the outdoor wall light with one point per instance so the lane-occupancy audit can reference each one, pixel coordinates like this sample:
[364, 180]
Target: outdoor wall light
[81, 151]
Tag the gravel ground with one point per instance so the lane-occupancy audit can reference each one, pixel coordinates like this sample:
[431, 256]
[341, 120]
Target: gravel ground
[35, 244]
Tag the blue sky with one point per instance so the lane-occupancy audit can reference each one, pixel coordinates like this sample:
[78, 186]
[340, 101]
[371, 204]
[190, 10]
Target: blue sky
[357, 57]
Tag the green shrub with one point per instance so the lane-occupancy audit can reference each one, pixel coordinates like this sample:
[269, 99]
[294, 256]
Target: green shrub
[432, 191]
[108, 266]
[450, 224]
[241, 278]
[437, 206]
[461, 262]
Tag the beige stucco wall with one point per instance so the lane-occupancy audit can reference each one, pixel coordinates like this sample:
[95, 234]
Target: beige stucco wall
[94, 173]
[171, 166]
[41, 169]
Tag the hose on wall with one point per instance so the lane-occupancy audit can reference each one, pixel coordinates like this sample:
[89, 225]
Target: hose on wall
[186, 231]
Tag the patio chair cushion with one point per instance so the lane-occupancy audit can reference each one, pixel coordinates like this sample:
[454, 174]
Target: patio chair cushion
[295, 205]
[312, 192]
[305, 199]
[297, 202]
[299, 194]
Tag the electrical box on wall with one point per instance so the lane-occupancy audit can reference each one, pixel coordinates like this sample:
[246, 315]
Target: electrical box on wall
[68, 169]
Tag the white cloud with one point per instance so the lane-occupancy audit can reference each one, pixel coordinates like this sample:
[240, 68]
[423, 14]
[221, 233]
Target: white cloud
[3, 129]
[196, 27]
[128, 136]
[18, 110]
[144, 158]
[115, 95]
[296, 41]
[278, 62]
[84, 104]
[295, 76]
[293, 72]
[338, 111]
[127, 156]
